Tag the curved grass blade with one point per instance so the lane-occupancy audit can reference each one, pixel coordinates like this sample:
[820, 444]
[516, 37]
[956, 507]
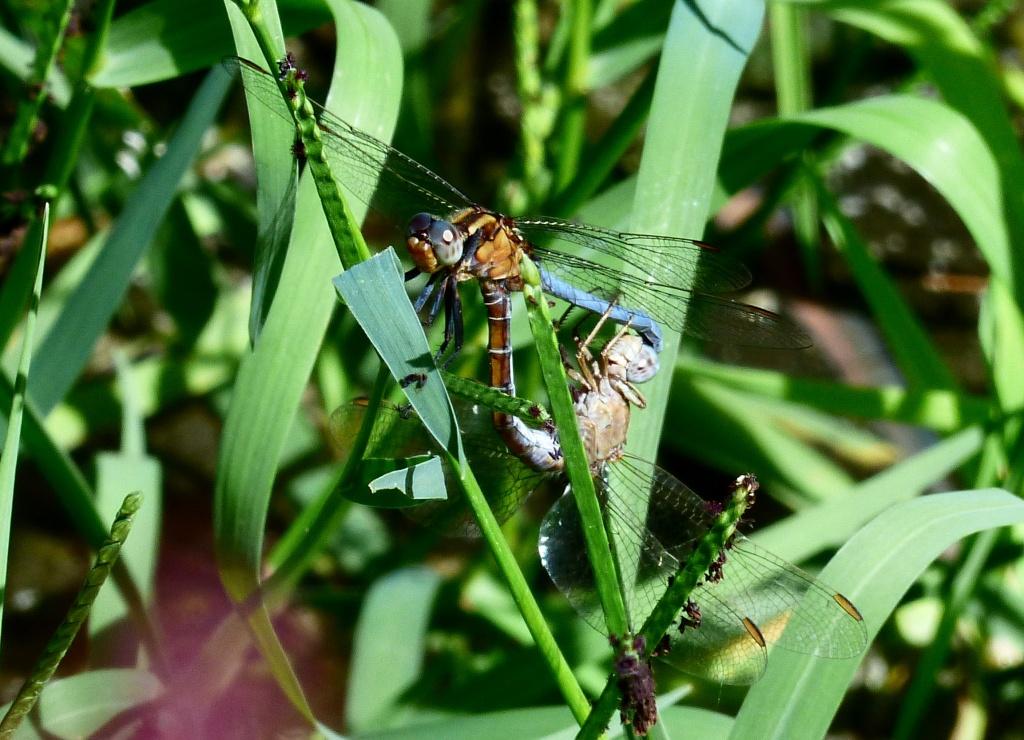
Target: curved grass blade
[272, 377]
[704, 53]
[875, 567]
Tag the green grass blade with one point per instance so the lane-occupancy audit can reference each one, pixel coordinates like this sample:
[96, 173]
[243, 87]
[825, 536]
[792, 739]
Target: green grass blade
[79, 705]
[165, 39]
[798, 695]
[273, 376]
[16, 56]
[66, 348]
[58, 645]
[929, 29]
[577, 466]
[792, 66]
[384, 668]
[375, 294]
[704, 53]
[915, 354]
[12, 439]
[271, 247]
[736, 437]
[20, 132]
[938, 410]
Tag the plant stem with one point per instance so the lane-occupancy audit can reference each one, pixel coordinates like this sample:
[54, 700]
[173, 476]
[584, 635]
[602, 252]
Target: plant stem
[574, 93]
[58, 645]
[577, 466]
[521, 594]
[666, 611]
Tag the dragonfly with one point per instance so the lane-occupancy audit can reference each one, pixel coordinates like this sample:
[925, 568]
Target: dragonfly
[750, 597]
[756, 599]
[660, 280]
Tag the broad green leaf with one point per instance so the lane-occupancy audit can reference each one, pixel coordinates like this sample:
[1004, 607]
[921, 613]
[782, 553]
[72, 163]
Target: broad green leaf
[79, 705]
[164, 39]
[375, 294]
[389, 645]
[67, 346]
[705, 51]
[798, 695]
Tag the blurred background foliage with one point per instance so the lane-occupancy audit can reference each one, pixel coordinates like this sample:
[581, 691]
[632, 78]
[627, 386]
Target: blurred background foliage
[871, 179]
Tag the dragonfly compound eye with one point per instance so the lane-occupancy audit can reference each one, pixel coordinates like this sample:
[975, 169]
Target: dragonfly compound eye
[640, 359]
[433, 243]
[446, 241]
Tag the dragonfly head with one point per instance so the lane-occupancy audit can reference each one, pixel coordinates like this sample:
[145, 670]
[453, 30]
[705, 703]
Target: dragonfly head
[636, 358]
[433, 242]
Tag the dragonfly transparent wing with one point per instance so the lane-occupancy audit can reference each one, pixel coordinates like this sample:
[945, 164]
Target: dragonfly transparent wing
[666, 260]
[371, 171]
[652, 541]
[672, 279]
[504, 479]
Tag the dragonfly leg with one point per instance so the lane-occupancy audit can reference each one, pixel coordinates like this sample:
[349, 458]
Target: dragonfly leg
[435, 308]
[425, 294]
[452, 322]
[457, 321]
[411, 274]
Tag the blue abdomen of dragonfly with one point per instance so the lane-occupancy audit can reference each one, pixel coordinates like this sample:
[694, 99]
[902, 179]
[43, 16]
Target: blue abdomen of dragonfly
[638, 320]
[433, 243]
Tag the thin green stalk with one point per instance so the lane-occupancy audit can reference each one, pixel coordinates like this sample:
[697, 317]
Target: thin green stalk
[20, 133]
[12, 442]
[537, 118]
[520, 590]
[58, 645]
[791, 60]
[606, 152]
[577, 466]
[666, 611]
[529, 411]
[348, 239]
[571, 139]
